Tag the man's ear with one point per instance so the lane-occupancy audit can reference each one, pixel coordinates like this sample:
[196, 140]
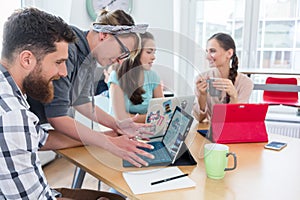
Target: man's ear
[27, 60]
[102, 36]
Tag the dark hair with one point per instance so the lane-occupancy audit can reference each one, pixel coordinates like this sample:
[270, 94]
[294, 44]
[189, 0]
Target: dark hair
[226, 42]
[130, 74]
[34, 30]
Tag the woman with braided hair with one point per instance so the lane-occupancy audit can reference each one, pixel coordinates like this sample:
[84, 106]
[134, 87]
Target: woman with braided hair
[235, 87]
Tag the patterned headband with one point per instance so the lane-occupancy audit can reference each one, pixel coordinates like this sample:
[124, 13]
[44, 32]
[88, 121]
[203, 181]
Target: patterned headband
[139, 28]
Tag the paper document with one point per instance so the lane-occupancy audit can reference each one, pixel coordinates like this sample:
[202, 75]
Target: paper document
[140, 181]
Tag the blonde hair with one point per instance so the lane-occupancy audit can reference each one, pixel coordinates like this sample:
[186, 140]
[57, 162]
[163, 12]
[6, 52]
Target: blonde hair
[120, 17]
[115, 17]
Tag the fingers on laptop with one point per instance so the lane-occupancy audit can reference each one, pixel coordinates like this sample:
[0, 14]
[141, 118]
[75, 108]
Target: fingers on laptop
[136, 160]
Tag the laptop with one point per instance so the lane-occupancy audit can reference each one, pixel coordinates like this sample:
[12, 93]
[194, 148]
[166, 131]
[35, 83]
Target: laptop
[168, 150]
[238, 123]
[160, 111]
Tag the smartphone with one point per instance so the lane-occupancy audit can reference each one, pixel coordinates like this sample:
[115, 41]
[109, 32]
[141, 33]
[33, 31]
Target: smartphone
[275, 145]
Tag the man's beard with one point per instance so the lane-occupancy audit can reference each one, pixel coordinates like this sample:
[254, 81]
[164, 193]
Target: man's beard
[38, 87]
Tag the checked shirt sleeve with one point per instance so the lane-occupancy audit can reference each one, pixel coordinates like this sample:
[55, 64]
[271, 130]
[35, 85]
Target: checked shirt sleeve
[21, 175]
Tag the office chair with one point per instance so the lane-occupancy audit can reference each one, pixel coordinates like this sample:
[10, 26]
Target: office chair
[281, 97]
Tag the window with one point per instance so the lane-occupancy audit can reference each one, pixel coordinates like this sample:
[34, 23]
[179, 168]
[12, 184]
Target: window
[266, 36]
[277, 43]
[220, 16]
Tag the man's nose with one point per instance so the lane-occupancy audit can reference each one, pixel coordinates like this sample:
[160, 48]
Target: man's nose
[62, 71]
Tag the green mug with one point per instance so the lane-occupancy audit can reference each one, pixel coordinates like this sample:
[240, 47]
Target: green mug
[216, 160]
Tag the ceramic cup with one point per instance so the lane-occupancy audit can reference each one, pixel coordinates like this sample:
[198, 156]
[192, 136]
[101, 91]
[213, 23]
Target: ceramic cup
[216, 159]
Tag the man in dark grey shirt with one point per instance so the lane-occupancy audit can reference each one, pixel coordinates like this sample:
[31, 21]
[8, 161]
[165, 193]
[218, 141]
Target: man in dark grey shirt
[109, 40]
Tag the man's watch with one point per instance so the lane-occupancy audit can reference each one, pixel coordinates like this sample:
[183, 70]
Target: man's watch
[55, 193]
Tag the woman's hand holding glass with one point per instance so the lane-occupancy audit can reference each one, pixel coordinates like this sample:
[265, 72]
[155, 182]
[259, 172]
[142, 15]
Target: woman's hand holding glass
[226, 85]
[201, 85]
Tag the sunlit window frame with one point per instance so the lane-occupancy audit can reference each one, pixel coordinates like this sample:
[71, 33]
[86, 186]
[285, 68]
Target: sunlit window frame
[251, 55]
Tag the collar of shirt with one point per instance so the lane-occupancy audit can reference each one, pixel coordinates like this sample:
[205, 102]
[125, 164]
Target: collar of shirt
[5, 77]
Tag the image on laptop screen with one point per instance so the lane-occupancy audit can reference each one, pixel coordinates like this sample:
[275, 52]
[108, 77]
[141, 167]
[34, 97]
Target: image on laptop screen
[176, 132]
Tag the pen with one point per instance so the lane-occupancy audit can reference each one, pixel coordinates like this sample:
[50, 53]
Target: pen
[169, 179]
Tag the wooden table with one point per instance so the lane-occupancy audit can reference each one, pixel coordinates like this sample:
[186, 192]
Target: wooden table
[260, 174]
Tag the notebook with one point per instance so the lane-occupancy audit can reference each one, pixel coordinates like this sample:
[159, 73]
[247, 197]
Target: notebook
[140, 181]
[168, 150]
[238, 123]
[160, 111]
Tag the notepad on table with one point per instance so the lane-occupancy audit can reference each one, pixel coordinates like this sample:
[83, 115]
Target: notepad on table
[140, 181]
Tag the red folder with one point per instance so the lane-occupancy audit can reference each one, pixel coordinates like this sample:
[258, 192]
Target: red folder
[237, 123]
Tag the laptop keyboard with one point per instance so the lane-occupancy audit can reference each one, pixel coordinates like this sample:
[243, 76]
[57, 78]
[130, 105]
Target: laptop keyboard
[161, 155]
[159, 151]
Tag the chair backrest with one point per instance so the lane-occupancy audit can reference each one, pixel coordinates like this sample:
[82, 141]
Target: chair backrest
[280, 96]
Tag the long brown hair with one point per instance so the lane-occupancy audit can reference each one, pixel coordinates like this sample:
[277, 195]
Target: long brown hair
[130, 74]
[226, 42]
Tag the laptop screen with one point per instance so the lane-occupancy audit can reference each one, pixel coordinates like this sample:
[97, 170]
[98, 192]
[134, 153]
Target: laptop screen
[177, 131]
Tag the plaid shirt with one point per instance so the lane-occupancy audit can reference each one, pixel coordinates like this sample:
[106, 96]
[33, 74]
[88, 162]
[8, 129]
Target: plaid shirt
[21, 175]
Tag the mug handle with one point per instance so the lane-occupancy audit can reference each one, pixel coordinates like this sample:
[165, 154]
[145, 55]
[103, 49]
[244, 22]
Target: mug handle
[234, 163]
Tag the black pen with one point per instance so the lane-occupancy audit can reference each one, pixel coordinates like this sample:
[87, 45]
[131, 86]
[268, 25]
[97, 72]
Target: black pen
[169, 179]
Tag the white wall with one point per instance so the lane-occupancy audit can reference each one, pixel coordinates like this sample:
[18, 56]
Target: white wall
[178, 55]
[172, 44]
[161, 25]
